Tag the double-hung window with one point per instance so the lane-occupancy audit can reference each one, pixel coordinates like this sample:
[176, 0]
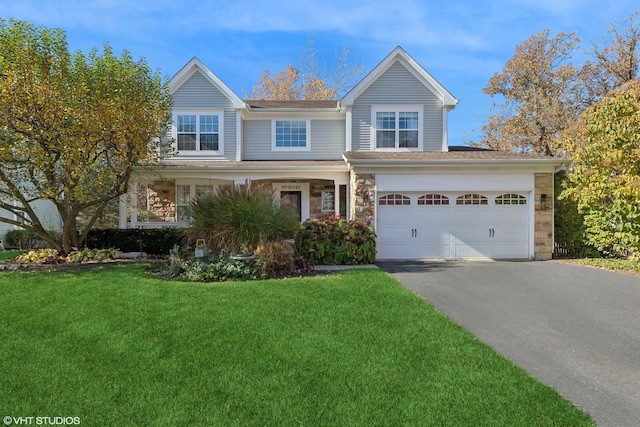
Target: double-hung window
[185, 194]
[290, 135]
[198, 132]
[397, 127]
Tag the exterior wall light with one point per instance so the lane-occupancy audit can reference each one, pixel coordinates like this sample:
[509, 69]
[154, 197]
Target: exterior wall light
[545, 202]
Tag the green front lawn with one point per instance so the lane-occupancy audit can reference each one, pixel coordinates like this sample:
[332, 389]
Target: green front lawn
[117, 347]
[6, 255]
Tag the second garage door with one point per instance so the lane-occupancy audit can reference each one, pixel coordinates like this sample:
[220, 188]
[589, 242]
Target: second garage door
[452, 225]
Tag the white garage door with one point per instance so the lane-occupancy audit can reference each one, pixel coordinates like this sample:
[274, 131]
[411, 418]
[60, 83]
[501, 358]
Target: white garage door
[452, 225]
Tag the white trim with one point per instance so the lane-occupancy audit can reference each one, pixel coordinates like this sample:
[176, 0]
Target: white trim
[238, 137]
[397, 108]
[307, 146]
[445, 129]
[198, 112]
[349, 130]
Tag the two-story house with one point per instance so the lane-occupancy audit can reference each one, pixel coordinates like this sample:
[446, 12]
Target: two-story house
[380, 154]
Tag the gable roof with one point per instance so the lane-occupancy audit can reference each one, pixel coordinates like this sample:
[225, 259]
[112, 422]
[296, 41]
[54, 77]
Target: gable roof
[268, 104]
[399, 54]
[196, 65]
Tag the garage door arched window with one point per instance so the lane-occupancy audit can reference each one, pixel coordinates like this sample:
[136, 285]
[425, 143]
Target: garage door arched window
[472, 199]
[394, 199]
[511, 199]
[433, 199]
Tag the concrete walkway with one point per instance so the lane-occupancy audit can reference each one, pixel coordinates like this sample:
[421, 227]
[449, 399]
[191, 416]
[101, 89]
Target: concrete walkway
[574, 328]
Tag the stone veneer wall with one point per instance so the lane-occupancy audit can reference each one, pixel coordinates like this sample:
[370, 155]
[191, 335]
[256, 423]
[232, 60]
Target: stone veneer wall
[543, 245]
[363, 200]
[161, 199]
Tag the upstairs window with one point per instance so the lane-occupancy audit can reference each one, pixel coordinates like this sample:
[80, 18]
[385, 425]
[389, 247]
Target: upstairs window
[198, 132]
[290, 135]
[397, 128]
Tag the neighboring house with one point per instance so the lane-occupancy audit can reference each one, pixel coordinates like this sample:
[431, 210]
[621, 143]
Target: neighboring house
[380, 155]
[46, 212]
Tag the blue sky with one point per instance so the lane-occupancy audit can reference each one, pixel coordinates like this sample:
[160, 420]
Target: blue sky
[461, 43]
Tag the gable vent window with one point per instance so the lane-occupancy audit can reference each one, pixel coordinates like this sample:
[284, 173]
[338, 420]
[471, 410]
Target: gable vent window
[433, 199]
[472, 199]
[511, 199]
[394, 199]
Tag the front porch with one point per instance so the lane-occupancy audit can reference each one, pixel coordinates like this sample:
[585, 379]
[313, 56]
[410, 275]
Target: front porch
[164, 200]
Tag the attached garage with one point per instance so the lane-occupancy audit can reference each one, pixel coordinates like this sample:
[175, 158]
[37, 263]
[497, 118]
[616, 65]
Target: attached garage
[464, 203]
[423, 225]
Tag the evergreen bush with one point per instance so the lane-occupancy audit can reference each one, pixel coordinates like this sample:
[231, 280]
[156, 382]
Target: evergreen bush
[334, 240]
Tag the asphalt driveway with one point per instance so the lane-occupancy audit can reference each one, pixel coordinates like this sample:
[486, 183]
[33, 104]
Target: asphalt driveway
[574, 328]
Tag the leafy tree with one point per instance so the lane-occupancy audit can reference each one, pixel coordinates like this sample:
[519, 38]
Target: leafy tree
[314, 80]
[541, 93]
[605, 176]
[73, 127]
[616, 60]
[281, 87]
[568, 223]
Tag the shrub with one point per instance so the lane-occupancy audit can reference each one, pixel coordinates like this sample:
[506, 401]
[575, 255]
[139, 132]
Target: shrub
[24, 239]
[157, 241]
[51, 256]
[19, 239]
[274, 259]
[41, 256]
[569, 229]
[241, 217]
[218, 269]
[333, 240]
[87, 254]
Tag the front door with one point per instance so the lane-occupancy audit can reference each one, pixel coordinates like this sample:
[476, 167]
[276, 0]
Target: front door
[294, 199]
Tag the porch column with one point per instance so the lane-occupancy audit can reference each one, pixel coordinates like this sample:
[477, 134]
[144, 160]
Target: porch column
[134, 205]
[122, 204]
[336, 197]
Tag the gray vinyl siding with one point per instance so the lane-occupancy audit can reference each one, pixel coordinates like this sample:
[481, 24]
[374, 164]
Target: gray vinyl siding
[327, 141]
[199, 92]
[4, 227]
[46, 212]
[397, 86]
[230, 133]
